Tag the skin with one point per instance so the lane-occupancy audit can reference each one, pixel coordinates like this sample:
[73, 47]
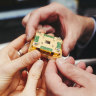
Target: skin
[72, 27]
[57, 87]
[41, 87]
[10, 79]
[29, 89]
[15, 82]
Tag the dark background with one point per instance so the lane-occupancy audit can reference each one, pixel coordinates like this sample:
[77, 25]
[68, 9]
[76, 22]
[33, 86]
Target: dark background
[12, 27]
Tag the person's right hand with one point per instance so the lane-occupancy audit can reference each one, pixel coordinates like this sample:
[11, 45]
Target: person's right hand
[72, 26]
[57, 87]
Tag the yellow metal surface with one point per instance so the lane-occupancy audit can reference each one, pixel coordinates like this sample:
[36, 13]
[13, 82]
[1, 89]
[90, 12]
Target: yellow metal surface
[47, 45]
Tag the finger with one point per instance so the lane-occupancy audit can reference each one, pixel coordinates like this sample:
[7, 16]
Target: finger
[25, 19]
[33, 77]
[67, 60]
[89, 69]
[53, 81]
[24, 49]
[49, 29]
[39, 27]
[70, 60]
[68, 45]
[51, 34]
[65, 80]
[74, 73]
[81, 65]
[24, 75]
[43, 84]
[13, 85]
[34, 20]
[13, 54]
[41, 92]
[24, 61]
[18, 43]
[46, 29]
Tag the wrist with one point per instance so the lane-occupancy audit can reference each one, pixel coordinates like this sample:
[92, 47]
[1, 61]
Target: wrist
[88, 27]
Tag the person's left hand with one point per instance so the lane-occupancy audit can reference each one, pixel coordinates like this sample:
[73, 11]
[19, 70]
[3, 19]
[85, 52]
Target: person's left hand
[30, 88]
[19, 80]
[33, 80]
[11, 63]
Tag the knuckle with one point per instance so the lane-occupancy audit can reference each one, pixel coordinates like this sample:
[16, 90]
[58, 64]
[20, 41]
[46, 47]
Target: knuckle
[27, 60]
[23, 37]
[68, 67]
[32, 57]
[32, 13]
[35, 11]
[70, 70]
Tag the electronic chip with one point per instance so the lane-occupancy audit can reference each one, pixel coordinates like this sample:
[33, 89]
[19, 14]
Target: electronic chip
[49, 46]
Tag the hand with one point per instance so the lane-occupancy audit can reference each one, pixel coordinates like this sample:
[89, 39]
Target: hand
[42, 91]
[41, 82]
[30, 88]
[39, 87]
[59, 88]
[71, 26]
[11, 64]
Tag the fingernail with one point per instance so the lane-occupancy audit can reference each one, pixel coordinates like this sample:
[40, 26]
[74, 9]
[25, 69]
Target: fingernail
[29, 35]
[37, 53]
[40, 63]
[60, 60]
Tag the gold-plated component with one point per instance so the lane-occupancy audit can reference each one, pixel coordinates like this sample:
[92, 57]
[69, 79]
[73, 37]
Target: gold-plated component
[49, 46]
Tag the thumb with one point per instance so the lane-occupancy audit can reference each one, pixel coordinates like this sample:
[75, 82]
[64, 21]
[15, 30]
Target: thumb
[33, 77]
[74, 73]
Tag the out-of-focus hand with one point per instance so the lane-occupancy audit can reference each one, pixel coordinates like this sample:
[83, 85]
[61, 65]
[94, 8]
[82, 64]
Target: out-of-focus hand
[11, 64]
[71, 26]
[84, 79]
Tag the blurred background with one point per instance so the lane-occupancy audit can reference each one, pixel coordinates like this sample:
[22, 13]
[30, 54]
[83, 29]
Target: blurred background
[12, 12]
